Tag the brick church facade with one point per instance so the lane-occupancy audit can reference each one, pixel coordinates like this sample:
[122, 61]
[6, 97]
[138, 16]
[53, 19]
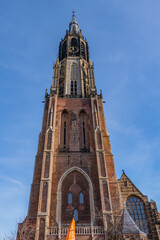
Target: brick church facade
[74, 171]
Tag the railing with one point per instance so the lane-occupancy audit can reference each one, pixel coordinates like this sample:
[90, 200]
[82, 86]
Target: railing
[79, 230]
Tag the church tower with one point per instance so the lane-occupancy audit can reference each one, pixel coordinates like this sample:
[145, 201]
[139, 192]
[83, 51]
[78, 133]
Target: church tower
[74, 171]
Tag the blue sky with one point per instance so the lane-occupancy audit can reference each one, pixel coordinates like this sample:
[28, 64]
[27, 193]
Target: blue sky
[123, 38]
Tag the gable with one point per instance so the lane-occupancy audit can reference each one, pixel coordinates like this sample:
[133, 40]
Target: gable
[128, 188]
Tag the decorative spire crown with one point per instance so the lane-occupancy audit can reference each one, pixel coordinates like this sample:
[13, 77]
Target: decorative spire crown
[74, 24]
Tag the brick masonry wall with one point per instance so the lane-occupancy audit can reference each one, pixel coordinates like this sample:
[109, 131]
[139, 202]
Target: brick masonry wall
[64, 160]
[34, 195]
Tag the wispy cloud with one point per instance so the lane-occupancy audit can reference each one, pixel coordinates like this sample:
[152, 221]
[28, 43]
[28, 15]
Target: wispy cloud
[12, 180]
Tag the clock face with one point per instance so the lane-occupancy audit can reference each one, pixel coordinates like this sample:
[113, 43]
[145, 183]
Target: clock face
[74, 50]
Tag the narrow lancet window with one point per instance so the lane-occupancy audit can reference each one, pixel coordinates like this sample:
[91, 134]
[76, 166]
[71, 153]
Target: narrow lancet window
[64, 130]
[84, 88]
[64, 134]
[75, 87]
[81, 198]
[70, 198]
[76, 215]
[84, 135]
[71, 87]
[83, 130]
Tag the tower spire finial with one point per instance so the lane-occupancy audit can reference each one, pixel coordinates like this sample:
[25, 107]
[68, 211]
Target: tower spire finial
[73, 23]
[73, 17]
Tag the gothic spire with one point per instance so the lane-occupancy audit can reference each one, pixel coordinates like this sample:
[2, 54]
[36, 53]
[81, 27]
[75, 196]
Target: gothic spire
[73, 24]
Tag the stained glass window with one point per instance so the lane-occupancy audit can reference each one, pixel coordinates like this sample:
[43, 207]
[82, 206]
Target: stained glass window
[81, 198]
[135, 207]
[70, 198]
[76, 215]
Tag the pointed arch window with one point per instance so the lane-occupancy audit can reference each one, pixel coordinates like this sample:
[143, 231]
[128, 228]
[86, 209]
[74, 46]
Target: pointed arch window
[74, 42]
[136, 209]
[81, 198]
[69, 198]
[76, 215]
[64, 48]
